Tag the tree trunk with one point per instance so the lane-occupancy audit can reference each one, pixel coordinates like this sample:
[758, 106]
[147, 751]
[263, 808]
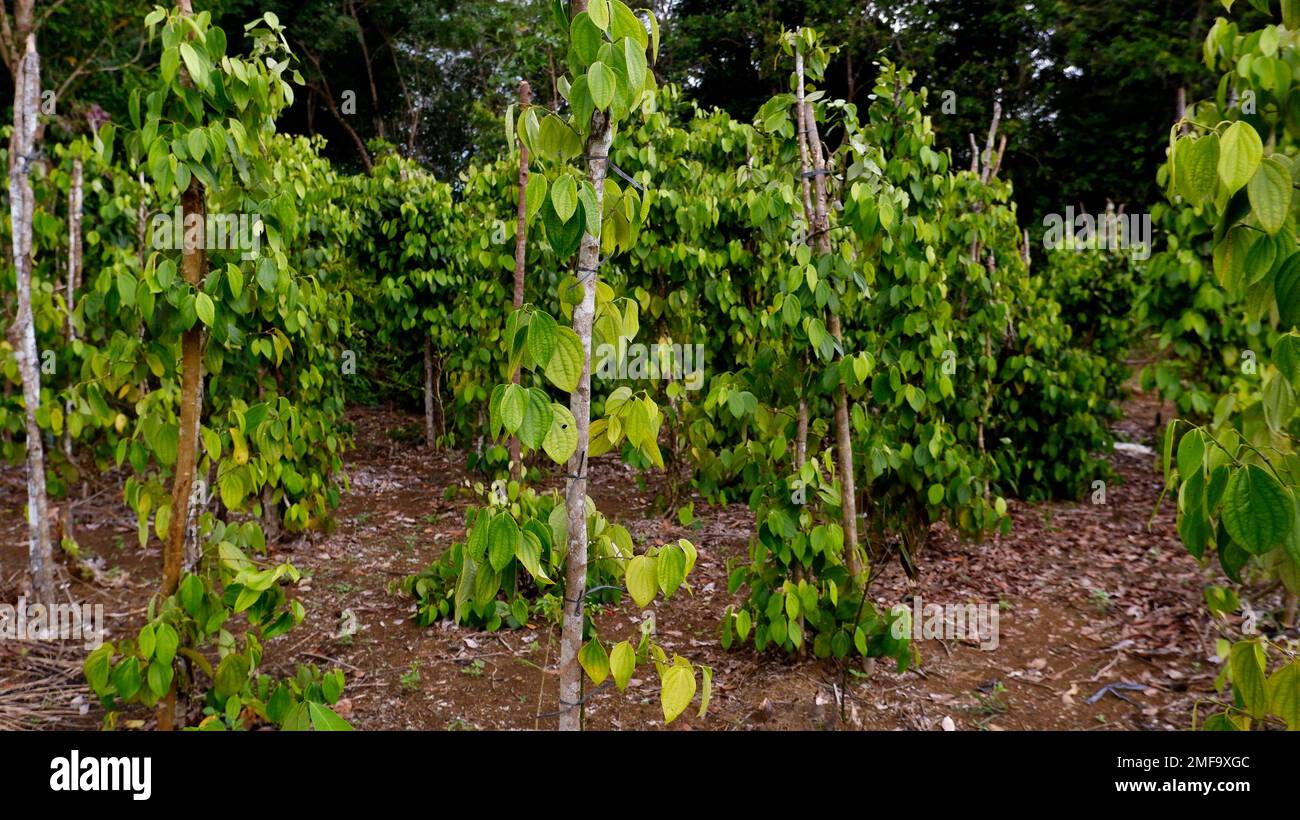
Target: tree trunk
[521, 249]
[27, 93]
[193, 265]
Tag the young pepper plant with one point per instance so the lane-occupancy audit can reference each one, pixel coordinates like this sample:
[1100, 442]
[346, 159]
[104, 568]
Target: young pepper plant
[1238, 477]
[590, 214]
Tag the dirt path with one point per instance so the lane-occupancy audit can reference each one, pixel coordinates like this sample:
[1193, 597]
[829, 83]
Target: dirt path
[1088, 596]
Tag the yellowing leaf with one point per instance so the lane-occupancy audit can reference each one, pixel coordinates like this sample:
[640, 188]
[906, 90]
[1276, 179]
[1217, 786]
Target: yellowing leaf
[562, 438]
[1284, 694]
[622, 662]
[642, 580]
[594, 661]
[676, 691]
[1240, 151]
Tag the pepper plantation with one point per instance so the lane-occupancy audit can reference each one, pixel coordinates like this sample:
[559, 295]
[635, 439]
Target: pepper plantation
[352, 382]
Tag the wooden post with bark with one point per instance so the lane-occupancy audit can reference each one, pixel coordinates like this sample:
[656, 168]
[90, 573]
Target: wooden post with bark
[193, 271]
[22, 334]
[600, 136]
[521, 251]
[820, 240]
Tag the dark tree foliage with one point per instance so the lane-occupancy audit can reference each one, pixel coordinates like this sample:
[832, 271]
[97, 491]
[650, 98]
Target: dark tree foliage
[1083, 83]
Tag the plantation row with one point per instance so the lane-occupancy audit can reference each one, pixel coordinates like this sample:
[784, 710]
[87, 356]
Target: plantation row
[877, 354]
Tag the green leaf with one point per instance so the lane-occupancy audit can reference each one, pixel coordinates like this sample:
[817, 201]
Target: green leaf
[1284, 694]
[1291, 14]
[231, 675]
[1286, 355]
[513, 403]
[325, 719]
[233, 490]
[600, 84]
[564, 236]
[204, 308]
[1286, 289]
[1246, 659]
[1256, 510]
[599, 12]
[168, 65]
[537, 419]
[160, 677]
[196, 64]
[126, 677]
[191, 594]
[707, 694]
[585, 39]
[1169, 448]
[624, 23]
[542, 330]
[1202, 168]
[564, 368]
[530, 555]
[145, 641]
[594, 661]
[534, 195]
[167, 642]
[1240, 152]
[1270, 195]
[564, 197]
[622, 663]
[1230, 258]
[96, 668]
[1191, 453]
[503, 541]
[642, 580]
[677, 690]
[671, 569]
[634, 57]
[654, 36]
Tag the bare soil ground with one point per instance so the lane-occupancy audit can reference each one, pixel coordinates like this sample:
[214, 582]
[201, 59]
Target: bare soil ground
[1090, 595]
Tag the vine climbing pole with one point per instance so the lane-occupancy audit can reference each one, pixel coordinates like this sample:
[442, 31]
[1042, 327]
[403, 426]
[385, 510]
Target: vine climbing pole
[599, 138]
[22, 333]
[70, 302]
[193, 270]
[521, 251]
[813, 167]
